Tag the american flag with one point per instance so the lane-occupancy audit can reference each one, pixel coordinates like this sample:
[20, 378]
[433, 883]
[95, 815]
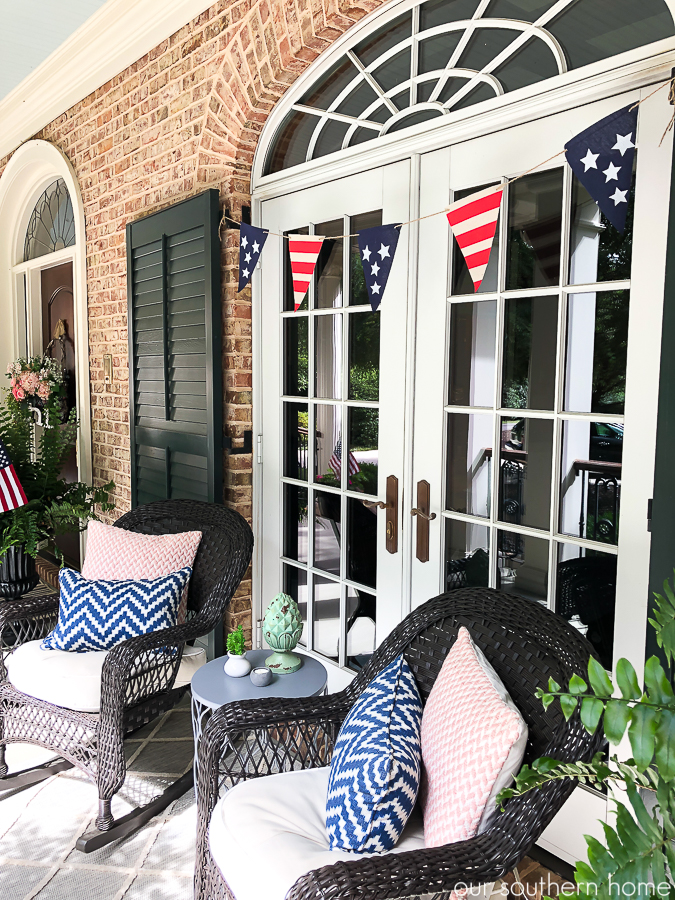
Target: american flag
[335, 462]
[11, 492]
[473, 221]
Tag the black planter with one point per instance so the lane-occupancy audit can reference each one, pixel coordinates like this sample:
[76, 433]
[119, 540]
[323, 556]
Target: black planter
[17, 572]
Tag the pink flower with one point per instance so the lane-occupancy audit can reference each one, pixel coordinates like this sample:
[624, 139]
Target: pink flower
[19, 393]
[29, 382]
[43, 390]
[13, 381]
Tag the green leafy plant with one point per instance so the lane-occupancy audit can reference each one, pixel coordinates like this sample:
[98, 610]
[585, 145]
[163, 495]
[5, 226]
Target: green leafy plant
[54, 506]
[236, 642]
[638, 858]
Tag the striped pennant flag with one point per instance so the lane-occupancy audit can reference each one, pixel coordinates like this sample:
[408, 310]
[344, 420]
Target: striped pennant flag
[473, 221]
[304, 250]
[12, 495]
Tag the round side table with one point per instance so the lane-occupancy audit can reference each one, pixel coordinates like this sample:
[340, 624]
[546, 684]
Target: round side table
[212, 688]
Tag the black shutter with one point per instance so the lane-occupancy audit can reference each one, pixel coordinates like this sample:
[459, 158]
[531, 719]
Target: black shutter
[173, 282]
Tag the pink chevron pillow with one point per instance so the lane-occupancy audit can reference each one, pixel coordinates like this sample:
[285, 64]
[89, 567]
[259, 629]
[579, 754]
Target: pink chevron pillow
[473, 742]
[114, 554]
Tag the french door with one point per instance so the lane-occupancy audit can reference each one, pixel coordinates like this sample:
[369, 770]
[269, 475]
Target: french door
[333, 376]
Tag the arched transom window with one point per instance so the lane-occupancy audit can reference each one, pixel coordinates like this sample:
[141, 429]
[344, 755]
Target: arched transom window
[51, 226]
[446, 55]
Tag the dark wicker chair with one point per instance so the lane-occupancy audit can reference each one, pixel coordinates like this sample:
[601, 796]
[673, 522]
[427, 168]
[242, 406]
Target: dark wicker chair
[526, 644]
[138, 674]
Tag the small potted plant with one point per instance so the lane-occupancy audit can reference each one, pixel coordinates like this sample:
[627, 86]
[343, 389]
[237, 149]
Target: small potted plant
[237, 665]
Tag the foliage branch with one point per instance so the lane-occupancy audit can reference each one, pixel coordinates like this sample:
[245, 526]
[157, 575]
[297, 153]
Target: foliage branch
[236, 642]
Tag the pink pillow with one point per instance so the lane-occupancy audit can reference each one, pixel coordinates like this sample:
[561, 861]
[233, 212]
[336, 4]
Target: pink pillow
[114, 554]
[473, 742]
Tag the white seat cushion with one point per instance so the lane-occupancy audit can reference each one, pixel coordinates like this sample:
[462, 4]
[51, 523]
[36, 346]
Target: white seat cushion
[73, 680]
[268, 832]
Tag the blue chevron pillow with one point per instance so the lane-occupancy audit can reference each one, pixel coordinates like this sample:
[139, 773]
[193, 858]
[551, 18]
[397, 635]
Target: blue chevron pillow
[375, 770]
[98, 615]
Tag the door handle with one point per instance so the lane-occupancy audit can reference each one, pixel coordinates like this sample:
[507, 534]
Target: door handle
[379, 504]
[423, 519]
[391, 507]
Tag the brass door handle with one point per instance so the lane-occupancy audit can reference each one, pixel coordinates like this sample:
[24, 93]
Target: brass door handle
[423, 515]
[377, 503]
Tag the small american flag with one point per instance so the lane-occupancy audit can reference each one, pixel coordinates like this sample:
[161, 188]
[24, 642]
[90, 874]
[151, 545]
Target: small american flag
[473, 221]
[11, 492]
[335, 462]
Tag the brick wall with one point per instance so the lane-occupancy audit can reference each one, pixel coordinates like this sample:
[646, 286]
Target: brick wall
[185, 117]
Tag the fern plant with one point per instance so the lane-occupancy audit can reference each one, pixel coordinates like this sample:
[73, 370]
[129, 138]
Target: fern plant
[54, 506]
[638, 856]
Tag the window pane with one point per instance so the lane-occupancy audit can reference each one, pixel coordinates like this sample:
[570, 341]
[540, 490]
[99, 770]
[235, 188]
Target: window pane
[441, 12]
[295, 584]
[362, 543]
[591, 480]
[414, 118]
[364, 356]
[327, 617]
[327, 531]
[522, 10]
[291, 142]
[469, 463]
[295, 522]
[296, 423]
[357, 100]
[329, 266]
[435, 52]
[289, 297]
[328, 357]
[296, 360]
[586, 595]
[328, 444]
[522, 565]
[535, 221]
[467, 555]
[525, 472]
[330, 139]
[327, 89]
[533, 62]
[363, 446]
[361, 619]
[530, 334]
[598, 252]
[597, 342]
[394, 71]
[472, 353]
[461, 280]
[384, 39]
[357, 285]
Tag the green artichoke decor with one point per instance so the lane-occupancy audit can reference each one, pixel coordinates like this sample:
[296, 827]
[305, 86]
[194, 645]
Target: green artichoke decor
[282, 628]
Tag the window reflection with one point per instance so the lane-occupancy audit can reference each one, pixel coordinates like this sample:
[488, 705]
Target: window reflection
[327, 516]
[328, 444]
[363, 450]
[522, 565]
[326, 611]
[586, 595]
[364, 356]
[525, 471]
[329, 266]
[530, 343]
[362, 542]
[597, 342]
[295, 523]
[467, 554]
[535, 223]
[591, 480]
[328, 356]
[296, 356]
[469, 458]
[472, 353]
[296, 423]
[361, 624]
[295, 585]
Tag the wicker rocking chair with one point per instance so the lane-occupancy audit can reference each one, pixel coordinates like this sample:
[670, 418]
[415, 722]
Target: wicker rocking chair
[139, 675]
[526, 644]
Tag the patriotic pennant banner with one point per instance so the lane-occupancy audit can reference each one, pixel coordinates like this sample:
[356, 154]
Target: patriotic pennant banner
[304, 250]
[251, 242]
[473, 221]
[12, 495]
[602, 159]
[377, 247]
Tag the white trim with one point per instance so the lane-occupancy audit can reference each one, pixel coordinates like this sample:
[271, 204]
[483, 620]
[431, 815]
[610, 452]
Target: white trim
[31, 169]
[117, 35]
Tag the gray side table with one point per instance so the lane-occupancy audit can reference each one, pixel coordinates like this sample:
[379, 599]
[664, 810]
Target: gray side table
[212, 688]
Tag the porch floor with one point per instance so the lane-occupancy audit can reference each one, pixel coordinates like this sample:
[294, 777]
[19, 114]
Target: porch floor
[40, 825]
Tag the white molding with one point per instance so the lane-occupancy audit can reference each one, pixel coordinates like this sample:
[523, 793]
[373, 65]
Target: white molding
[31, 169]
[117, 35]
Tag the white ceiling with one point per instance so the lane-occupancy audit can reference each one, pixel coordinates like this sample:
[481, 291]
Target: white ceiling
[32, 29]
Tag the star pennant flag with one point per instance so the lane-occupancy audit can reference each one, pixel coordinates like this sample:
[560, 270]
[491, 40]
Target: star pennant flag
[473, 221]
[377, 247]
[11, 493]
[304, 250]
[602, 159]
[251, 242]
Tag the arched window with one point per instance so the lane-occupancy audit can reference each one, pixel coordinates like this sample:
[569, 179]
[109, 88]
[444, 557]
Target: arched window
[446, 55]
[52, 224]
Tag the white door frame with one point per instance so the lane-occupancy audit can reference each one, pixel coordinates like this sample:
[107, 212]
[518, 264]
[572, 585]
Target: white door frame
[34, 166]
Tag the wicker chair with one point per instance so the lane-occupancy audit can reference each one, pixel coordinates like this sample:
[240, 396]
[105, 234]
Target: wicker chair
[526, 644]
[138, 675]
